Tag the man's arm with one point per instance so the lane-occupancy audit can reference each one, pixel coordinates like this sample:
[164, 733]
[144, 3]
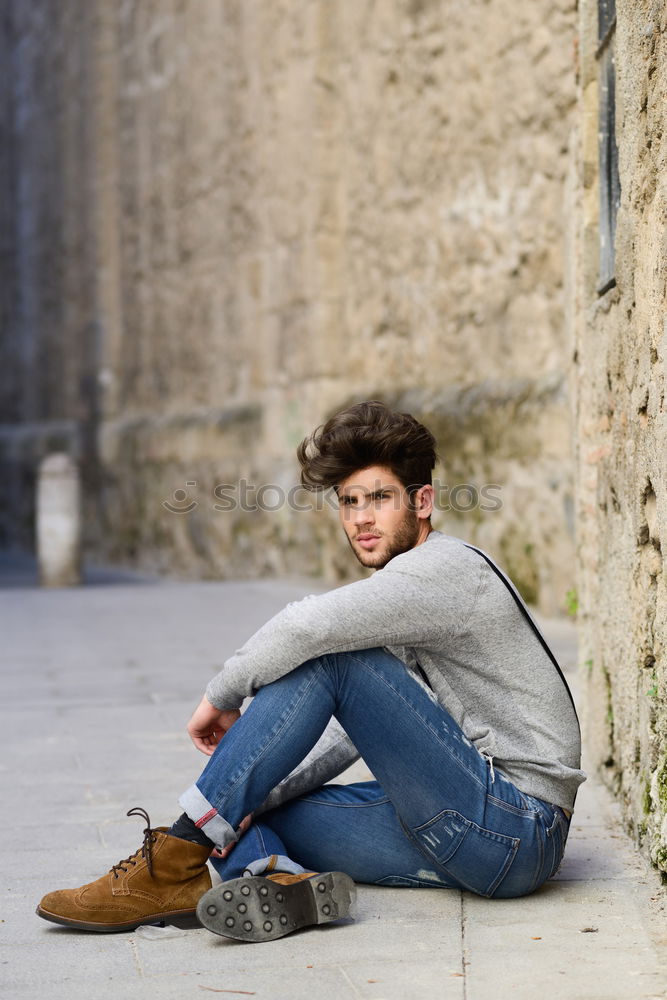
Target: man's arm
[404, 604]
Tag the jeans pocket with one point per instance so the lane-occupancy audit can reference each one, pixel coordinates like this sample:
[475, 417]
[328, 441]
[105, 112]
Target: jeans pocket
[477, 858]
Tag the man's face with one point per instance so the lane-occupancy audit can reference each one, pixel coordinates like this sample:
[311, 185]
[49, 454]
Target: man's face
[379, 518]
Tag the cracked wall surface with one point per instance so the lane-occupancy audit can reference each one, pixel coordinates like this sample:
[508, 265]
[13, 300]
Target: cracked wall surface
[621, 426]
[232, 218]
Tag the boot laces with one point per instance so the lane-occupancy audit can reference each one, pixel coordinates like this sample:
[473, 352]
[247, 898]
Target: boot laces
[145, 851]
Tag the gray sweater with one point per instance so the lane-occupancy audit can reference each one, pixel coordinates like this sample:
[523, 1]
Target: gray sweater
[442, 608]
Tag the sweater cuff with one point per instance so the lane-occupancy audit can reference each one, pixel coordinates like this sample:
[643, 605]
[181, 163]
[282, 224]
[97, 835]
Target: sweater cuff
[218, 698]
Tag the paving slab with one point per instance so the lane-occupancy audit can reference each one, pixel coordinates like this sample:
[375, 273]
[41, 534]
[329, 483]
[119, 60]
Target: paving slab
[96, 686]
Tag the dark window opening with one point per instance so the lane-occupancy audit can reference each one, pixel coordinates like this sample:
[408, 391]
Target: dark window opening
[610, 185]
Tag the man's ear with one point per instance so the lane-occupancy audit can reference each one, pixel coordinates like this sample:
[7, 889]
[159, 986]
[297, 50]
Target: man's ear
[424, 498]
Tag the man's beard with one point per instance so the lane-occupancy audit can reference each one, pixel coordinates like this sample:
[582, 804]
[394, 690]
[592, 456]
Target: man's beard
[404, 538]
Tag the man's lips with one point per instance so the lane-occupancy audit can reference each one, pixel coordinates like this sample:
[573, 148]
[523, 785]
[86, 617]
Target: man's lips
[367, 541]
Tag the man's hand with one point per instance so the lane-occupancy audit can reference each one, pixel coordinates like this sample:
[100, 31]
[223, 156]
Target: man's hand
[209, 724]
[226, 851]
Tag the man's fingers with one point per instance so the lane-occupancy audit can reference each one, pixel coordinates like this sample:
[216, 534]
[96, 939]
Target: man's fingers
[226, 851]
[204, 744]
[206, 741]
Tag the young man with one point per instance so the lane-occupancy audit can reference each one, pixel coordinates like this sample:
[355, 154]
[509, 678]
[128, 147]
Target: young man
[431, 670]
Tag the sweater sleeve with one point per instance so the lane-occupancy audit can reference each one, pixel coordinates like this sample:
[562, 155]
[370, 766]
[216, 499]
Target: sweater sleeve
[400, 605]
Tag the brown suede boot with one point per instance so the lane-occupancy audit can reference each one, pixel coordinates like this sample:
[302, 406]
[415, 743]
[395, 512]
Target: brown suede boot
[263, 908]
[160, 883]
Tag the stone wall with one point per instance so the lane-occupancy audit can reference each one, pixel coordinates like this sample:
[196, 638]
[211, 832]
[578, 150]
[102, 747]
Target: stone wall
[234, 217]
[621, 425]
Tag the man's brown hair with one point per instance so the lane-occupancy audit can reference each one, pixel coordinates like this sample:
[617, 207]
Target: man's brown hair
[367, 434]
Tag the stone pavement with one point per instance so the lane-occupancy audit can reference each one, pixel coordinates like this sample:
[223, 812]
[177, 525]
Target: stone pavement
[97, 686]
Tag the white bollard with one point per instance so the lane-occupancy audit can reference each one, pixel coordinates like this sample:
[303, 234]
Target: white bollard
[59, 522]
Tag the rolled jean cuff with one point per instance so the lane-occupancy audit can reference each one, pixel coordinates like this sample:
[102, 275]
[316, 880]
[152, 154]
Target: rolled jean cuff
[206, 818]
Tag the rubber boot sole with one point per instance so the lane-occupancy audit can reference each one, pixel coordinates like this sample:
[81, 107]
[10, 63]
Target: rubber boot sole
[258, 909]
[186, 919]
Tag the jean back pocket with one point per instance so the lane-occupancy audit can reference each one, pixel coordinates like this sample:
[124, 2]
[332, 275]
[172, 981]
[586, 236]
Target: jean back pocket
[477, 858]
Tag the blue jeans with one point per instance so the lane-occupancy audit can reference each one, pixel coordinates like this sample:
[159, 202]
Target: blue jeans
[438, 815]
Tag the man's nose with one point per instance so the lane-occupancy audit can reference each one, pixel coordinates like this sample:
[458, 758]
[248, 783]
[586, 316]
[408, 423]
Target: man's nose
[363, 513]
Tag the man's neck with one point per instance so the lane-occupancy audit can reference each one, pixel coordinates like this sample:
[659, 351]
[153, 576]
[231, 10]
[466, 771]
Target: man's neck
[424, 531]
